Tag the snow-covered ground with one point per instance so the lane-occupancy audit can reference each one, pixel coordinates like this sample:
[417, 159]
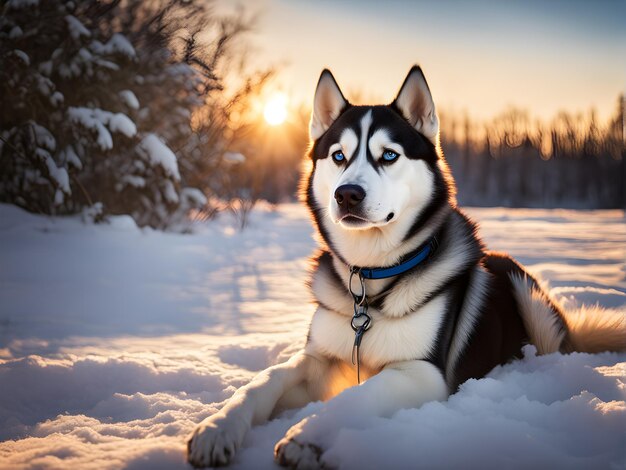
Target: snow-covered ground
[115, 341]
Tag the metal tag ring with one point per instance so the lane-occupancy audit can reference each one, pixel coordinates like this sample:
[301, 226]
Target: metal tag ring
[365, 325]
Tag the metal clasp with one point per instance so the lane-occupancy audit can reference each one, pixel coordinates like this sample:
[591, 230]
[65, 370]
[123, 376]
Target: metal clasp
[361, 321]
[360, 298]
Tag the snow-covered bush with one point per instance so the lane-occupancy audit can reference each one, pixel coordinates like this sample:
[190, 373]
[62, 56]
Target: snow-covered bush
[98, 100]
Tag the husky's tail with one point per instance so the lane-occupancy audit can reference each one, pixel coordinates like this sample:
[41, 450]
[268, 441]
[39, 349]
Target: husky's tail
[593, 329]
[551, 328]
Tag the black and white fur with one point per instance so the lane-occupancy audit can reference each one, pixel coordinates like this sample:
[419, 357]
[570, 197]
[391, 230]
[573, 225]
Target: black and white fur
[449, 319]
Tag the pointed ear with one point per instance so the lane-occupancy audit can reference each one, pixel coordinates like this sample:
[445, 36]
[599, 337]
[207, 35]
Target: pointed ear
[416, 104]
[327, 104]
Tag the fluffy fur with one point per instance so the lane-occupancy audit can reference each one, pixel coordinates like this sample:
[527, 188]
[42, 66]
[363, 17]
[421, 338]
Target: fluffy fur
[593, 329]
[378, 188]
[544, 328]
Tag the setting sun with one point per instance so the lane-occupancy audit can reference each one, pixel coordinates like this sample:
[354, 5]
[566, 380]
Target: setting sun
[275, 111]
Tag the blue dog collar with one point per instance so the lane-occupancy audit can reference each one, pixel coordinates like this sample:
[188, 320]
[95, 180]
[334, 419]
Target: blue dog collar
[420, 256]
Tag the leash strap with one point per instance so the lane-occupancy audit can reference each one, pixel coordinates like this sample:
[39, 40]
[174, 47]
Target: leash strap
[361, 320]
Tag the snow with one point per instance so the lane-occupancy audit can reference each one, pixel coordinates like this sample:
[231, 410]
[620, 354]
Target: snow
[56, 99]
[115, 341]
[194, 196]
[76, 28]
[234, 157]
[46, 67]
[43, 137]
[169, 191]
[69, 155]
[22, 56]
[118, 44]
[133, 180]
[45, 86]
[58, 175]
[16, 32]
[130, 99]
[119, 122]
[159, 154]
[87, 118]
[98, 121]
[84, 55]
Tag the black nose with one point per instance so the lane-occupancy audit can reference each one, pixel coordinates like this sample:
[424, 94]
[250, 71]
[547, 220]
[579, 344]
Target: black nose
[349, 195]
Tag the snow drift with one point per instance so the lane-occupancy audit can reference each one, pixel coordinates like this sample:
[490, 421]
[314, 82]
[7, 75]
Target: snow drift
[115, 341]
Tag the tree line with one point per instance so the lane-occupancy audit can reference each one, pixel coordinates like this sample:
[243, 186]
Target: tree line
[573, 161]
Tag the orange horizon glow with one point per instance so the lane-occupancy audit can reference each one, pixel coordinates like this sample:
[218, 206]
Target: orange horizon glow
[479, 58]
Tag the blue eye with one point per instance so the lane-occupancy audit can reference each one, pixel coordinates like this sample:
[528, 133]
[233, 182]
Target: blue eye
[390, 156]
[338, 156]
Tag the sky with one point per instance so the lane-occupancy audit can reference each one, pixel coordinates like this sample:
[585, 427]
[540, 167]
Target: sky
[478, 56]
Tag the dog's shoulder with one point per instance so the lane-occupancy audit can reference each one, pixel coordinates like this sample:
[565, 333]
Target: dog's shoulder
[500, 264]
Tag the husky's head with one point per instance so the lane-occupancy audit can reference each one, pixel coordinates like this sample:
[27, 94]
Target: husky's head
[378, 184]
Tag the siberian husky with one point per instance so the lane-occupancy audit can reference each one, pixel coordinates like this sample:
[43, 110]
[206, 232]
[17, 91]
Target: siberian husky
[410, 303]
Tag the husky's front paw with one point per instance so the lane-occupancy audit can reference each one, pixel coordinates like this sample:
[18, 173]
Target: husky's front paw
[215, 441]
[296, 451]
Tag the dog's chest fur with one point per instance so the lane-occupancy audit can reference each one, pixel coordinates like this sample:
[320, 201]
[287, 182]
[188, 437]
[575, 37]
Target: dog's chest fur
[396, 334]
[387, 340]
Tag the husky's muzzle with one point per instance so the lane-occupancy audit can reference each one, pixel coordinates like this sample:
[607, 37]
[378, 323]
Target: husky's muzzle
[349, 198]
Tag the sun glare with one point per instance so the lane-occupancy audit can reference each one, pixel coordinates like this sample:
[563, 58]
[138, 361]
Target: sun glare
[275, 111]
